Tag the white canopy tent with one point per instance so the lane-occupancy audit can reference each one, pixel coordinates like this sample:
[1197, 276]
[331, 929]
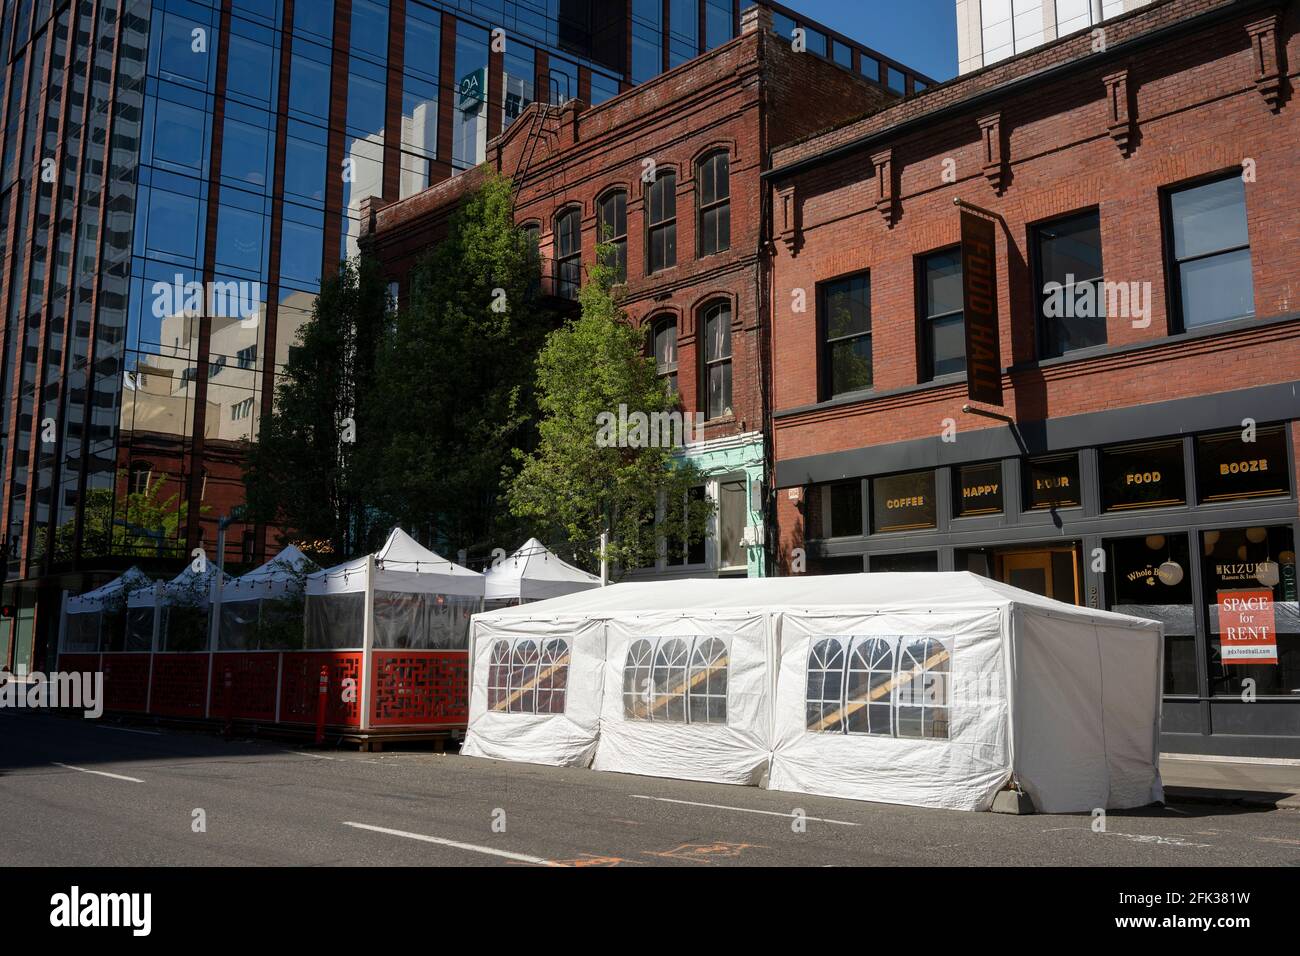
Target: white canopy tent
[417, 600]
[533, 573]
[173, 616]
[96, 620]
[262, 610]
[925, 689]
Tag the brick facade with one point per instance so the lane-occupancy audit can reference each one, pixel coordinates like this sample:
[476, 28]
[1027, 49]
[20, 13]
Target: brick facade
[742, 98]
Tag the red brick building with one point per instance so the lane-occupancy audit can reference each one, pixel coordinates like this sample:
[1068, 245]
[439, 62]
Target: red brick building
[670, 171]
[1145, 457]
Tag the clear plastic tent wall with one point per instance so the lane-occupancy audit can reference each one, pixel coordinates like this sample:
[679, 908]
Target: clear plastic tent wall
[263, 609]
[179, 609]
[418, 600]
[96, 621]
[932, 690]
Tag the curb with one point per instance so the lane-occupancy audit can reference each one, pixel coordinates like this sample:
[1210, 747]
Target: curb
[1262, 799]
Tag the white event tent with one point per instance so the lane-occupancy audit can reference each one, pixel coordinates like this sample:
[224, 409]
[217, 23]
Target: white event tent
[934, 689]
[260, 609]
[96, 620]
[533, 573]
[417, 600]
[173, 616]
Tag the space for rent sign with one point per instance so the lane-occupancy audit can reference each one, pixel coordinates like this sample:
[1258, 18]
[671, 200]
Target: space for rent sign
[1247, 633]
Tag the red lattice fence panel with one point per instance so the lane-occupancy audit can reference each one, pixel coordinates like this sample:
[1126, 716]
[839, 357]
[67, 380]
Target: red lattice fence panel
[126, 682]
[420, 688]
[300, 686]
[252, 685]
[180, 685]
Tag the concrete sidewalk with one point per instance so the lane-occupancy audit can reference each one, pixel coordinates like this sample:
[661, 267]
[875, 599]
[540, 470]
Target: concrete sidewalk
[1199, 779]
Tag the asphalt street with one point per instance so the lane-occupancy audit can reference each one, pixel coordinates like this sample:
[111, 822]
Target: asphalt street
[90, 793]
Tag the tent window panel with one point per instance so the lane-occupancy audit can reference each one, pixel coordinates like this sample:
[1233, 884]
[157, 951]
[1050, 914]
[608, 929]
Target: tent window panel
[708, 681]
[825, 697]
[669, 684]
[636, 680]
[553, 677]
[923, 687]
[869, 690]
[335, 621]
[523, 678]
[499, 676]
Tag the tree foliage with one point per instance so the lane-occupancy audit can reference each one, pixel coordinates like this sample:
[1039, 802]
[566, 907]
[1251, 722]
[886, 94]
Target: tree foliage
[456, 377]
[305, 472]
[573, 487]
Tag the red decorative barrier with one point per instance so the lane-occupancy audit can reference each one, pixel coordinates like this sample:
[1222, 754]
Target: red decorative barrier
[180, 685]
[300, 686]
[78, 662]
[253, 685]
[126, 682]
[420, 688]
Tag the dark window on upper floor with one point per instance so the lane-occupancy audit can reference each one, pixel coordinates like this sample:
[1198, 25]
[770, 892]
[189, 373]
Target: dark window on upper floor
[1071, 294]
[661, 221]
[611, 218]
[713, 198]
[1208, 250]
[943, 329]
[568, 253]
[845, 306]
[716, 323]
[663, 342]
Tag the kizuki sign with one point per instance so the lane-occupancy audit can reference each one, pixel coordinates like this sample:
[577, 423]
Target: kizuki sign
[1247, 630]
[979, 282]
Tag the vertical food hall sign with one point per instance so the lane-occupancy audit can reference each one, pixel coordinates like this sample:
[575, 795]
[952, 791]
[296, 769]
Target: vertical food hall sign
[1247, 631]
[979, 280]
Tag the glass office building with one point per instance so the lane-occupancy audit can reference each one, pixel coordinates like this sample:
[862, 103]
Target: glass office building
[178, 175]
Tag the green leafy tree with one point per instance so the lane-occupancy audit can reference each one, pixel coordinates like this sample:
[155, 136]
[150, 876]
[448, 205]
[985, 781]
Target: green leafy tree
[456, 377]
[577, 483]
[307, 472]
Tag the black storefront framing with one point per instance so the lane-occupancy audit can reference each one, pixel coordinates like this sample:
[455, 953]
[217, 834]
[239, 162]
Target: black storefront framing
[1198, 722]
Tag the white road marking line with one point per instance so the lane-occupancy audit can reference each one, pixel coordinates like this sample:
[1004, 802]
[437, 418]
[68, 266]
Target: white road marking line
[129, 730]
[97, 773]
[303, 753]
[770, 813]
[475, 848]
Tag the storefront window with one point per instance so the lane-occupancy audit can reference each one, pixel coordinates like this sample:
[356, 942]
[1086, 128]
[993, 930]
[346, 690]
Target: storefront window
[903, 502]
[978, 490]
[916, 561]
[1052, 482]
[1251, 608]
[835, 511]
[1142, 476]
[1229, 467]
[1150, 577]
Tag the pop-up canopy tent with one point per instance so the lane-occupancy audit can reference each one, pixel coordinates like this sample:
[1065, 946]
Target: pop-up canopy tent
[926, 689]
[178, 609]
[96, 620]
[533, 573]
[420, 599]
[263, 609]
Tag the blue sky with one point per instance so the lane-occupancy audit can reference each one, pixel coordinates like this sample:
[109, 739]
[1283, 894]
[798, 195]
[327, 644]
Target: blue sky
[920, 33]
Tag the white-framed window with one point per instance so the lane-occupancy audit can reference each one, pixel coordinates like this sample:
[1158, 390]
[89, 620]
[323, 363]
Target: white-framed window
[885, 686]
[528, 675]
[677, 679]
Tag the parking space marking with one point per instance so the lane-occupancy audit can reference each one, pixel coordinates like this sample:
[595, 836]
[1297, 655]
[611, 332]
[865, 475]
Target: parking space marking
[97, 773]
[769, 813]
[456, 844]
[129, 730]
